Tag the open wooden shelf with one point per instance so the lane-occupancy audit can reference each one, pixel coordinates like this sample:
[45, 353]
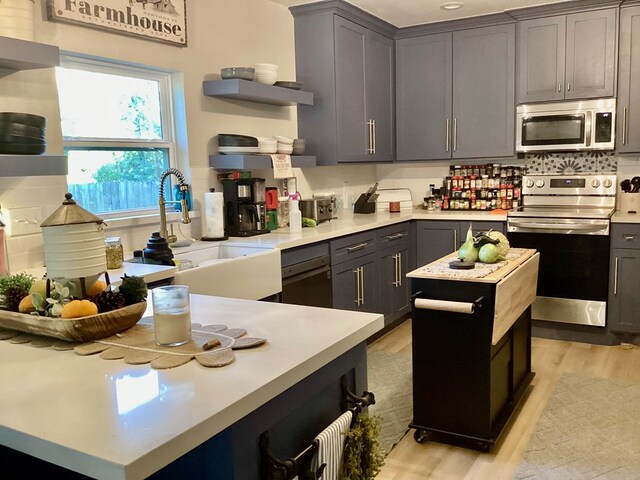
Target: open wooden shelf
[256, 92]
[32, 165]
[18, 54]
[247, 162]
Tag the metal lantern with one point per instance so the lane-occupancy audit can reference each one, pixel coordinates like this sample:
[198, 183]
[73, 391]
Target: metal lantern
[74, 242]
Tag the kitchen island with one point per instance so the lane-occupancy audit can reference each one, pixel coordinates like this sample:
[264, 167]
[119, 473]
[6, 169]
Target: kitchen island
[106, 419]
[471, 334]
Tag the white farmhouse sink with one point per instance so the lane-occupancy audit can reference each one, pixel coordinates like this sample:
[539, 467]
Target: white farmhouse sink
[227, 270]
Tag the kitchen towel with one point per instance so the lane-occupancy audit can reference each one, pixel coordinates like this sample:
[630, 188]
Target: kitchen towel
[281, 166]
[214, 216]
[331, 447]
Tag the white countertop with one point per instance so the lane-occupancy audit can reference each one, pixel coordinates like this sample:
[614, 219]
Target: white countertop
[283, 239]
[111, 420]
[620, 217]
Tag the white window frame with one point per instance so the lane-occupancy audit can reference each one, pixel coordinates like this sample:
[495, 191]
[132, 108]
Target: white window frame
[164, 79]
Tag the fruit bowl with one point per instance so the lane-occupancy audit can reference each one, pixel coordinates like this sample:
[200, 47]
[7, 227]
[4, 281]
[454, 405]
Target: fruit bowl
[81, 329]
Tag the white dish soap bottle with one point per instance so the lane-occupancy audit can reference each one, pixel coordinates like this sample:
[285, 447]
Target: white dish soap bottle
[295, 216]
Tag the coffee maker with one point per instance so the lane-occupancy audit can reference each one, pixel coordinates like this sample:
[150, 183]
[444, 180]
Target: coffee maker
[245, 207]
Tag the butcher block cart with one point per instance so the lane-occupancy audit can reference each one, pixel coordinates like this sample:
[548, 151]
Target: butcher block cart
[471, 347]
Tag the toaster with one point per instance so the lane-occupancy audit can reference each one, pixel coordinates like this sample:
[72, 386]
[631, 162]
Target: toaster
[319, 209]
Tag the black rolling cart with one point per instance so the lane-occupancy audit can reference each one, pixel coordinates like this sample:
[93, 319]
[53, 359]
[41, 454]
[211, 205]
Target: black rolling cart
[471, 347]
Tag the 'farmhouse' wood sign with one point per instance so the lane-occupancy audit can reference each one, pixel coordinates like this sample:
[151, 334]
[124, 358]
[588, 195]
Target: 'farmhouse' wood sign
[162, 20]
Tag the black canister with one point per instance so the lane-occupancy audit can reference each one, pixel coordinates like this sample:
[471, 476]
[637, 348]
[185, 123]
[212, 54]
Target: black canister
[158, 251]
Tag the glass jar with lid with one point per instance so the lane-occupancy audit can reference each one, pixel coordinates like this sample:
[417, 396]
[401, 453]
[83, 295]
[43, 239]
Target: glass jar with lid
[115, 255]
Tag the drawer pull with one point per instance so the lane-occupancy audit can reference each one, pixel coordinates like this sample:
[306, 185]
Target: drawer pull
[355, 248]
[395, 236]
[629, 237]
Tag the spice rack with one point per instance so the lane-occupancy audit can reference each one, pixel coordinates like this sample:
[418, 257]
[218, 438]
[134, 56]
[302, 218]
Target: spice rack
[482, 187]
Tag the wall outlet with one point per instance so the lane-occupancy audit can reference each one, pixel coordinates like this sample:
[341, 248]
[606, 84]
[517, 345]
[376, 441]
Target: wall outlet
[23, 220]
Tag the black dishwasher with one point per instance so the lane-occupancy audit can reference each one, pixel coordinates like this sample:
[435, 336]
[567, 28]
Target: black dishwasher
[308, 283]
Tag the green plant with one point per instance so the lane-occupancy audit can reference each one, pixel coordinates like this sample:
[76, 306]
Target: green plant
[14, 288]
[51, 306]
[362, 458]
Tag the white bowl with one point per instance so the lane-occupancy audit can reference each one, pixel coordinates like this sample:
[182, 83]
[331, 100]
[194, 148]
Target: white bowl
[266, 66]
[284, 140]
[285, 149]
[267, 145]
[268, 79]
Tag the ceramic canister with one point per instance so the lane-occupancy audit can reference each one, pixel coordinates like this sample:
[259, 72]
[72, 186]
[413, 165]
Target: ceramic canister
[17, 19]
[74, 245]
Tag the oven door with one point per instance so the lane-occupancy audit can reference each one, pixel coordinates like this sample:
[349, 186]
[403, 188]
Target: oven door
[573, 276]
[555, 131]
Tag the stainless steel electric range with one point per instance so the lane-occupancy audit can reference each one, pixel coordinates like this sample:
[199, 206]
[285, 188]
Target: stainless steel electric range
[567, 219]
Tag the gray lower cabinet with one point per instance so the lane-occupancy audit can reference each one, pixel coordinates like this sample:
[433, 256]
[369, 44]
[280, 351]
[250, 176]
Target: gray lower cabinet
[355, 284]
[567, 56]
[354, 272]
[395, 260]
[350, 69]
[628, 81]
[437, 238]
[455, 94]
[624, 301]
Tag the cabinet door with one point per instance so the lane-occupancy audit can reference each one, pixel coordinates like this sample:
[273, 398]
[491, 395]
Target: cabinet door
[628, 92]
[591, 54]
[484, 92]
[379, 93]
[624, 301]
[354, 284]
[541, 55]
[351, 122]
[423, 97]
[394, 294]
[435, 239]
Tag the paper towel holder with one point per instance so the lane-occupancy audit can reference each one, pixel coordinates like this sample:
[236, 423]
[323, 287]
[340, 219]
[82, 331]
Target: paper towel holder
[213, 239]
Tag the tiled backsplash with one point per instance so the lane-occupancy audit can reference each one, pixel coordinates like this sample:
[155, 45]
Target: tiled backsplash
[569, 163]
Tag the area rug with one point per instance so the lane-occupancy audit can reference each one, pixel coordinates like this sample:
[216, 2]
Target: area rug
[589, 429]
[390, 380]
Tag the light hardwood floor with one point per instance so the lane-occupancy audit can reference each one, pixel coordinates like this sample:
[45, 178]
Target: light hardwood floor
[410, 460]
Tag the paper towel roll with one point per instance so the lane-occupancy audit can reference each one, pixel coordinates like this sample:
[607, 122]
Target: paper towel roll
[444, 305]
[214, 214]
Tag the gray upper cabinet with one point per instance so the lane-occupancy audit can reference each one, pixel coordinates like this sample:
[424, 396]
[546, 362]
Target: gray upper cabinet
[567, 56]
[484, 92]
[423, 96]
[541, 52]
[455, 94]
[350, 69]
[629, 81]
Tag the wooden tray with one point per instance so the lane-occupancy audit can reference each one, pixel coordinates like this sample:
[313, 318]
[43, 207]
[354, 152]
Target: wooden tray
[81, 329]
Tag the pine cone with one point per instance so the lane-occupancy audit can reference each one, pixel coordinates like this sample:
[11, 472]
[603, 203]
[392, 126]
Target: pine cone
[13, 296]
[133, 288]
[108, 300]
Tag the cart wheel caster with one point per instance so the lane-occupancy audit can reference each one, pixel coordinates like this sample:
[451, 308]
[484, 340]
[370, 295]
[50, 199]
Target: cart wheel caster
[420, 436]
[484, 447]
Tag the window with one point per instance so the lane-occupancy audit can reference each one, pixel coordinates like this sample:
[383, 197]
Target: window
[117, 128]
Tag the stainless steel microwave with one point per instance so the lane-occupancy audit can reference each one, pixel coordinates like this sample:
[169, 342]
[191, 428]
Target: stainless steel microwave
[566, 126]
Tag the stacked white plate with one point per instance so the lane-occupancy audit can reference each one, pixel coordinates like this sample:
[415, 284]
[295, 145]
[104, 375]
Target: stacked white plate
[239, 149]
[266, 73]
[285, 144]
[267, 145]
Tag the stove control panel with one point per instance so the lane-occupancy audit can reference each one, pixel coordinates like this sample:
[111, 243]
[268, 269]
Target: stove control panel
[570, 185]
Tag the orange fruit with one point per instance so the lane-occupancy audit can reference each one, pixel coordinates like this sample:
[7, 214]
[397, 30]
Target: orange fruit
[79, 308]
[98, 286]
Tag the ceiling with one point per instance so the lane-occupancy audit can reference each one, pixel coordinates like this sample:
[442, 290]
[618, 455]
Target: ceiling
[403, 13]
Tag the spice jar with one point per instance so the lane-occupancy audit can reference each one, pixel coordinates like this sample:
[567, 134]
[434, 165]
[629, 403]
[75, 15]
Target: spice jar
[115, 255]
